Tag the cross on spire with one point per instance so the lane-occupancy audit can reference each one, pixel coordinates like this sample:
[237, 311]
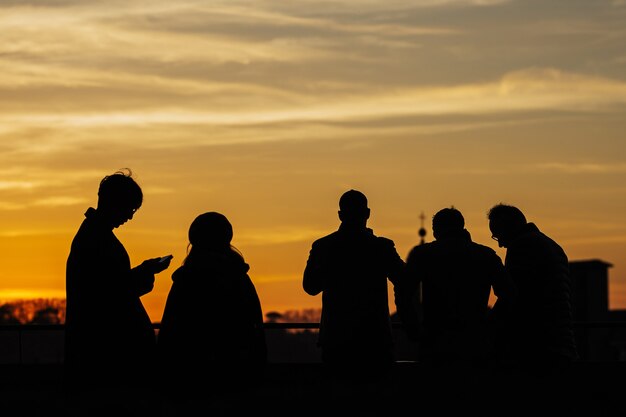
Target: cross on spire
[422, 230]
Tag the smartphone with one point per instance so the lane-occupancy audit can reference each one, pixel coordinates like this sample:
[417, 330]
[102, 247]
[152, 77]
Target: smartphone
[165, 258]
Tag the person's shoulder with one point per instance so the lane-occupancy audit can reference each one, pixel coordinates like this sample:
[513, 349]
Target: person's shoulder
[422, 249]
[87, 224]
[385, 242]
[326, 240]
[483, 249]
[531, 233]
[541, 235]
[182, 274]
[89, 235]
[485, 254]
[329, 237]
[532, 238]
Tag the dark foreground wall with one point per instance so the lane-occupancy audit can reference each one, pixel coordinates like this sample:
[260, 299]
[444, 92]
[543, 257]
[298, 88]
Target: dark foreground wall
[302, 389]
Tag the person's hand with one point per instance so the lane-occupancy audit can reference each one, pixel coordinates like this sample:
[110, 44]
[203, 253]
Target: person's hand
[155, 265]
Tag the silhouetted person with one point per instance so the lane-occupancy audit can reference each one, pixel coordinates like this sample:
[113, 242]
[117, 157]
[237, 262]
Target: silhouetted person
[109, 338]
[350, 267]
[457, 276]
[454, 333]
[539, 331]
[211, 342]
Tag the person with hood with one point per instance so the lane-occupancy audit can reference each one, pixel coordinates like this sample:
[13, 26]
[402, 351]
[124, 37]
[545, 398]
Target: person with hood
[211, 340]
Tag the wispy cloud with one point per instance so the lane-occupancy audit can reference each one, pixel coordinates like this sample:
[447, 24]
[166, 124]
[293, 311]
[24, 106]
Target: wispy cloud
[519, 91]
[597, 240]
[17, 185]
[281, 236]
[59, 201]
[34, 232]
[35, 187]
[11, 206]
[584, 168]
[541, 168]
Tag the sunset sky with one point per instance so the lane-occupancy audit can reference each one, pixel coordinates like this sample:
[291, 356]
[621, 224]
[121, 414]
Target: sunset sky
[268, 110]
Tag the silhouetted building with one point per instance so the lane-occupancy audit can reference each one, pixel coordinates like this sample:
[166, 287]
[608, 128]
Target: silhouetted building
[590, 280]
[600, 333]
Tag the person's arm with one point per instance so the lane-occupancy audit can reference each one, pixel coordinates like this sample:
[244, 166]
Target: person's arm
[255, 312]
[405, 293]
[142, 276]
[503, 288]
[396, 267]
[314, 272]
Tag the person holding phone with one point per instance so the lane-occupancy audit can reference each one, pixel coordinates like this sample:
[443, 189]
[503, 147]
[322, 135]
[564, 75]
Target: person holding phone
[109, 338]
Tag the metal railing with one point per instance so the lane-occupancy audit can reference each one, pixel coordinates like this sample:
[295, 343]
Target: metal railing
[43, 343]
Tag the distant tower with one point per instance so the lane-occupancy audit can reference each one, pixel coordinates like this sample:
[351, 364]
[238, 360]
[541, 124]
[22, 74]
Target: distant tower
[422, 230]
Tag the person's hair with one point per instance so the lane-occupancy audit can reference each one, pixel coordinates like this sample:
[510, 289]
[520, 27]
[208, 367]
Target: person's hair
[211, 231]
[120, 188]
[353, 201]
[507, 214]
[447, 221]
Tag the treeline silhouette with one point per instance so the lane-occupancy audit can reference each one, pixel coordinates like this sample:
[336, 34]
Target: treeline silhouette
[305, 315]
[285, 345]
[52, 311]
[33, 311]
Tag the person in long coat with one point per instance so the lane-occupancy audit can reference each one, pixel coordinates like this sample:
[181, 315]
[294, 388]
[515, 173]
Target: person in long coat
[110, 343]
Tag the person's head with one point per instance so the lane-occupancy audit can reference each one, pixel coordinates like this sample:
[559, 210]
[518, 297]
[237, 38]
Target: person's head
[119, 197]
[505, 223]
[210, 230]
[448, 222]
[353, 208]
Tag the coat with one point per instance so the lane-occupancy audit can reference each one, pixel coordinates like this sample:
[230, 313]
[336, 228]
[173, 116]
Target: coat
[457, 276]
[108, 333]
[212, 329]
[541, 323]
[351, 268]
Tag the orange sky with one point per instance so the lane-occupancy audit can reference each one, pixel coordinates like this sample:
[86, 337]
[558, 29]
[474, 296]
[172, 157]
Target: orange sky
[268, 111]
